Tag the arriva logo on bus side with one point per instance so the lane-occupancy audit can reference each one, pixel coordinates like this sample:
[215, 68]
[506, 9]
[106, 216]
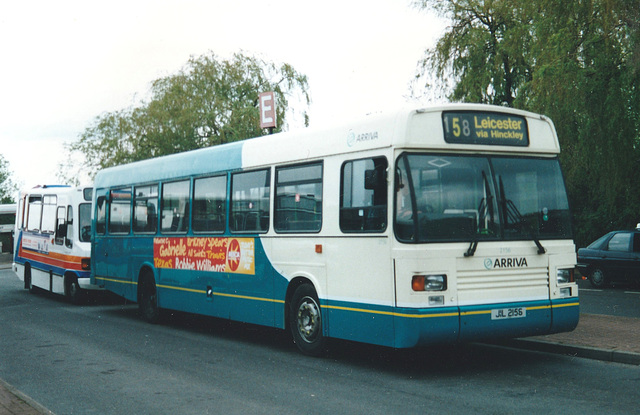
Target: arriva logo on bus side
[353, 138]
[490, 263]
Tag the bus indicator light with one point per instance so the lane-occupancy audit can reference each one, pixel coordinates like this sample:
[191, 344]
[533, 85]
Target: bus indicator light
[85, 263]
[417, 283]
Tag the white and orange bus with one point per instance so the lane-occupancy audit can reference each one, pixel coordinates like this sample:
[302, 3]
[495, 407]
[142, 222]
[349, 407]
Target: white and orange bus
[52, 240]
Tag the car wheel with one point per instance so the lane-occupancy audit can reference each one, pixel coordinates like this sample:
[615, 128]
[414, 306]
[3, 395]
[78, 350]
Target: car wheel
[596, 278]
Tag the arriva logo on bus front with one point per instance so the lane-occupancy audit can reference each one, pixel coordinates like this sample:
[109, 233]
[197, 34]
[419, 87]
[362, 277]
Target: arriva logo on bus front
[490, 263]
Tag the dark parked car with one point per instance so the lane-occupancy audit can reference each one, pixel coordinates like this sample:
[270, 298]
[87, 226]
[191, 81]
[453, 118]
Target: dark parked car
[613, 258]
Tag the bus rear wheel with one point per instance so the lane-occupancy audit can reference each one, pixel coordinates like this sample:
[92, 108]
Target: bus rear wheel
[148, 299]
[305, 321]
[28, 283]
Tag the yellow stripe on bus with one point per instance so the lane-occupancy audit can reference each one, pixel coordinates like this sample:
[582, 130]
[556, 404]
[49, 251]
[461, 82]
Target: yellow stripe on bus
[389, 313]
[192, 290]
[335, 307]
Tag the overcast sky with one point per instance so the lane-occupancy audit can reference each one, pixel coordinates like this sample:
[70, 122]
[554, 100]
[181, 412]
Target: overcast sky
[65, 62]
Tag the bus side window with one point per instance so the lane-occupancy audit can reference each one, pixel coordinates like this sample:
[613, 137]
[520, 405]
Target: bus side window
[34, 213]
[175, 206]
[145, 210]
[298, 206]
[250, 193]
[61, 226]
[49, 208]
[363, 195]
[120, 211]
[69, 228]
[209, 204]
[101, 215]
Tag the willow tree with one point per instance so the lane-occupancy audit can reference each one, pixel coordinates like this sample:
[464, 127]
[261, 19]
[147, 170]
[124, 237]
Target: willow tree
[209, 101]
[577, 62]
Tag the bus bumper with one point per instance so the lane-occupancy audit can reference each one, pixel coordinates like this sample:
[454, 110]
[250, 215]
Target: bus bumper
[424, 327]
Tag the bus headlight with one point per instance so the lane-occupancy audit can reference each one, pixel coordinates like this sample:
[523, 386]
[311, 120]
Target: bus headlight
[564, 276]
[429, 283]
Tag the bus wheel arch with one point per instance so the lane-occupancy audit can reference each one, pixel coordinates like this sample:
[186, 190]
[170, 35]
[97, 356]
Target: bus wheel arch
[148, 296]
[304, 317]
[72, 289]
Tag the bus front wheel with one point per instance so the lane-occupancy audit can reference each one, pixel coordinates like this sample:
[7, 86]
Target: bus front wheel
[72, 290]
[148, 299]
[305, 321]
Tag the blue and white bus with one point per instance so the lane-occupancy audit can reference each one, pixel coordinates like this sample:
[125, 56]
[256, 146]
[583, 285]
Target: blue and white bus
[438, 225]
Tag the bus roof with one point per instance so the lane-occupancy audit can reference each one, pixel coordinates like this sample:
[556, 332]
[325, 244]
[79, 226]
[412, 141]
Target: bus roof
[8, 208]
[411, 128]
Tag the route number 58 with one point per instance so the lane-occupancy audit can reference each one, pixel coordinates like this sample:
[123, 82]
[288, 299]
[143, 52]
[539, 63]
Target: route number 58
[455, 125]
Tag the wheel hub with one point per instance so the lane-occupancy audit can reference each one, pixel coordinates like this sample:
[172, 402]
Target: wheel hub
[308, 320]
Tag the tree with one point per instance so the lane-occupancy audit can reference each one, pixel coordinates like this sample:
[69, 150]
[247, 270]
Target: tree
[208, 102]
[8, 188]
[577, 62]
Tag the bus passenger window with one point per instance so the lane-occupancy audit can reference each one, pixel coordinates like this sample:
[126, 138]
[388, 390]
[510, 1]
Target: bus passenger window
[61, 226]
[84, 222]
[363, 195]
[49, 207]
[145, 214]
[250, 192]
[175, 206]
[68, 233]
[299, 198]
[34, 215]
[101, 215]
[120, 211]
[209, 200]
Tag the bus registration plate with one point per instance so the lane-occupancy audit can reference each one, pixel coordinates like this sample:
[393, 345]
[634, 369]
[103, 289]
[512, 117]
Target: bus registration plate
[504, 313]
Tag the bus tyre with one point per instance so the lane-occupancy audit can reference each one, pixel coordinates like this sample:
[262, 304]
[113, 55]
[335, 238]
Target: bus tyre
[72, 290]
[148, 300]
[305, 321]
[597, 279]
[28, 284]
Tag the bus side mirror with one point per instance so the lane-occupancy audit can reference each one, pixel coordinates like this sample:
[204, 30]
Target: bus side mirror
[61, 232]
[374, 179]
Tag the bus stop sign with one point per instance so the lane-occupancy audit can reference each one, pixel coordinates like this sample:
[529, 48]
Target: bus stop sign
[267, 110]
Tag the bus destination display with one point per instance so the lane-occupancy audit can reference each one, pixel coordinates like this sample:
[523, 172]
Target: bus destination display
[485, 128]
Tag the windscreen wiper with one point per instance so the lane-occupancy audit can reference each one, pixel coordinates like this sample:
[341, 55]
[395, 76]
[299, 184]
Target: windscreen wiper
[486, 205]
[512, 213]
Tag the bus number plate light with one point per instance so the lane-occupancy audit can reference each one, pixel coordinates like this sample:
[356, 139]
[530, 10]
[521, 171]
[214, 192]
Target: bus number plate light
[436, 300]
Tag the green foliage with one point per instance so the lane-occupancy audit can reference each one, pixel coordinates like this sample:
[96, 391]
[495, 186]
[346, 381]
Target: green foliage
[209, 102]
[577, 62]
[8, 188]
